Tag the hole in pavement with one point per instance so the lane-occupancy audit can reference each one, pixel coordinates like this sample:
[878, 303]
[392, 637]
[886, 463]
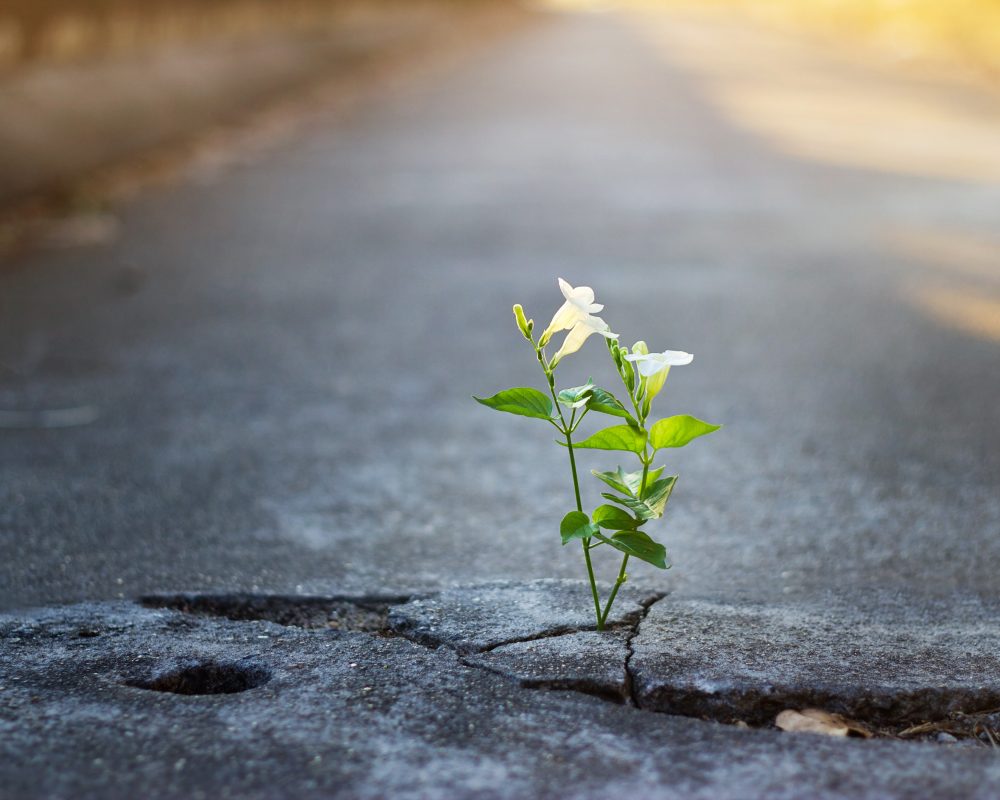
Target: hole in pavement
[362, 614]
[195, 677]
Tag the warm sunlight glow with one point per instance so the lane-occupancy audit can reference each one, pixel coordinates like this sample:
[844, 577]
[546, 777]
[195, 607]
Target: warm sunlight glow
[968, 310]
[784, 90]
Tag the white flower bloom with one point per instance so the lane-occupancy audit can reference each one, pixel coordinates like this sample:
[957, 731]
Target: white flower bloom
[579, 333]
[654, 367]
[651, 364]
[579, 307]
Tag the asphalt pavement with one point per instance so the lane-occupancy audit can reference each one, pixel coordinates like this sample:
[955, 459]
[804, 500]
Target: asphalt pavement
[279, 362]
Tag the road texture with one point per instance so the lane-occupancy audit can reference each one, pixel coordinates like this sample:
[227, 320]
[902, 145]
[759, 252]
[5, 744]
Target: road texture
[279, 365]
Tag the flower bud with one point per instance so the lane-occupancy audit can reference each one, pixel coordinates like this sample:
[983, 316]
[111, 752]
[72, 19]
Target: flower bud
[615, 354]
[628, 375]
[640, 348]
[522, 323]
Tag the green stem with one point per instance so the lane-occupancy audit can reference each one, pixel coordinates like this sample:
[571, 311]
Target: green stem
[584, 542]
[645, 474]
[621, 572]
[614, 592]
[579, 507]
[572, 466]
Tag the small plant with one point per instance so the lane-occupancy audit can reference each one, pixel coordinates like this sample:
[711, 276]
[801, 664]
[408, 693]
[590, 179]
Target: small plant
[638, 496]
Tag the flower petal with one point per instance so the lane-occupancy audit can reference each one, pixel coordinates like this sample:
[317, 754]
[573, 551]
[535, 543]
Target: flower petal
[651, 365]
[583, 296]
[565, 318]
[654, 362]
[676, 358]
[574, 341]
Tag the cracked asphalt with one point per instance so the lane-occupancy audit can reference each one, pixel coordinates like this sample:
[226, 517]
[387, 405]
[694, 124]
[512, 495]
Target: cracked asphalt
[280, 362]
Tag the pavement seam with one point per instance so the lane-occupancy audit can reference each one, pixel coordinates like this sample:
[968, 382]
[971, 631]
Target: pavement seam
[326, 613]
[553, 633]
[248, 607]
[647, 606]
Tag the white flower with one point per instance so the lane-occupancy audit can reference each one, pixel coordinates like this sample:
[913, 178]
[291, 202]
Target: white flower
[579, 333]
[655, 366]
[579, 307]
[652, 363]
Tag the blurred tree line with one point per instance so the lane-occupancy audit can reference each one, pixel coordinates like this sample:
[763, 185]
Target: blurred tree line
[64, 30]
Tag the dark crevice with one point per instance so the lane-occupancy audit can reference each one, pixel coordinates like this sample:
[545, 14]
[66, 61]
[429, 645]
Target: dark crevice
[923, 714]
[599, 690]
[365, 613]
[552, 634]
[647, 606]
[580, 685]
[619, 694]
[888, 713]
[629, 622]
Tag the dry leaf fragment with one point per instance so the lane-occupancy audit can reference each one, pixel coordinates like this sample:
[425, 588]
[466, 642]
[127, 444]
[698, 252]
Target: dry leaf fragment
[814, 720]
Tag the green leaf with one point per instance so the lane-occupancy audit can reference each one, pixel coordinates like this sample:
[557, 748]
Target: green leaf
[678, 431]
[633, 480]
[523, 400]
[617, 437]
[658, 493]
[614, 518]
[627, 482]
[637, 507]
[612, 479]
[577, 396]
[652, 505]
[576, 525]
[605, 402]
[639, 545]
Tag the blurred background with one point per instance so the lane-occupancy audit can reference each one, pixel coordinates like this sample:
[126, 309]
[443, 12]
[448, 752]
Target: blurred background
[255, 256]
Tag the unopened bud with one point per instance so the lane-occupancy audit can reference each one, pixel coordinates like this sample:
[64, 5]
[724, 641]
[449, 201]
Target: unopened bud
[522, 323]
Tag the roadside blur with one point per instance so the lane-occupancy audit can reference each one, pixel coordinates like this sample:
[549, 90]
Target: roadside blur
[960, 32]
[86, 84]
[59, 31]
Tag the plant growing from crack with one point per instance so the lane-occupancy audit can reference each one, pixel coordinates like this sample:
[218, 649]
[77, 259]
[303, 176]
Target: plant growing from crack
[638, 496]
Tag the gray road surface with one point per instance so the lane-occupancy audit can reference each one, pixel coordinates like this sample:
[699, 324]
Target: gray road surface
[282, 360]
[284, 401]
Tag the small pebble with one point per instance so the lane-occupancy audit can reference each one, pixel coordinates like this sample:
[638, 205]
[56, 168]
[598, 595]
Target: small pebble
[946, 738]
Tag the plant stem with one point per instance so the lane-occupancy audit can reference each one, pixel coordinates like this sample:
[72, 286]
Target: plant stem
[645, 474]
[584, 542]
[579, 506]
[614, 592]
[646, 459]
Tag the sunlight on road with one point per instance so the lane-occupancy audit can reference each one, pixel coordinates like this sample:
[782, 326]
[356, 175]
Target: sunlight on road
[961, 286]
[808, 103]
[957, 253]
[967, 310]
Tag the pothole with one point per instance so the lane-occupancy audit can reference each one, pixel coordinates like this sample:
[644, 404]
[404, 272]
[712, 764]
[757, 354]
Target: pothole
[199, 677]
[367, 614]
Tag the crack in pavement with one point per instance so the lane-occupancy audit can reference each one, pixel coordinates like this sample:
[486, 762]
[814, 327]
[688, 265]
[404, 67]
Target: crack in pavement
[610, 666]
[633, 699]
